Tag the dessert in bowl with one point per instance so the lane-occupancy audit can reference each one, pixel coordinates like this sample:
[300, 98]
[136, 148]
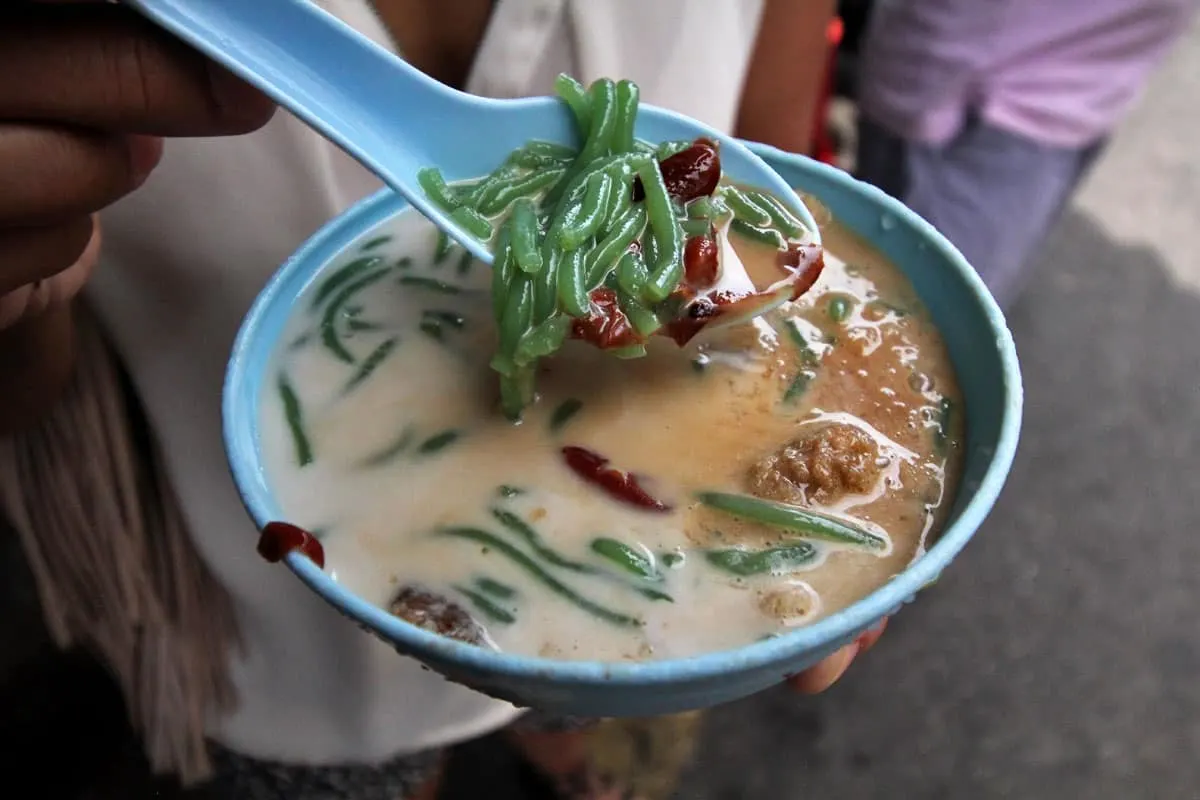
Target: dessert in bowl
[799, 433]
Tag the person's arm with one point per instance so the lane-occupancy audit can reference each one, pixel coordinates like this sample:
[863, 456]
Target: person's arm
[787, 71]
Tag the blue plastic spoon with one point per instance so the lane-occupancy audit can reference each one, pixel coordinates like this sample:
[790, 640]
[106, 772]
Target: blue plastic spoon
[390, 116]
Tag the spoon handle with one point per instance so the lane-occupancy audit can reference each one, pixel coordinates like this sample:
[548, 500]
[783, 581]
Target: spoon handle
[354, 92]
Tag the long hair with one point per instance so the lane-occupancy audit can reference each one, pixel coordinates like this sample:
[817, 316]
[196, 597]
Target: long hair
[115, 569]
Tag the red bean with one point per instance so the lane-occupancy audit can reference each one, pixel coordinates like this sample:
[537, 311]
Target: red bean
[280, 538]
[699, 313]
[700, 261]
[606, 326]
[623, 486]
[808, 260]
[688, 174]
[694, 172]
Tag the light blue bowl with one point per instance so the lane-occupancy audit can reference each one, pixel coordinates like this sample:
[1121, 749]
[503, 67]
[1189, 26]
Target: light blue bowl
[983, 355]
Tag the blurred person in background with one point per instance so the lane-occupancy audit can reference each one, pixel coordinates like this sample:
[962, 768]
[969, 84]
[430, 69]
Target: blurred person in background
[984, 116]
[111, 462]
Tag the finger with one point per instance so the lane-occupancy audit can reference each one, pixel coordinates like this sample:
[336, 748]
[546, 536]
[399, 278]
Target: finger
[50, 174]
[825, 674]
[104, 66]
[28, 255]
[33, 299]
[868, 639]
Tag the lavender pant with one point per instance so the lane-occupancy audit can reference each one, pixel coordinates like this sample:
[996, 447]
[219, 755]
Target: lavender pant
[994, 194]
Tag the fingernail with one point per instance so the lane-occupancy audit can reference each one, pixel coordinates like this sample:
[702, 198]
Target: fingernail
[144, 154]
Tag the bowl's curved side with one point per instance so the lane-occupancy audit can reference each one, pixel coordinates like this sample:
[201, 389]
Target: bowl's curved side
[980, 347]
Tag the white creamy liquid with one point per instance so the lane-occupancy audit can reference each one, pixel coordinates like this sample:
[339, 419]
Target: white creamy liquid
[683, 429]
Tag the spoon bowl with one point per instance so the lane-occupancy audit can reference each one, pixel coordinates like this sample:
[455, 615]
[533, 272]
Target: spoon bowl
[394, 119]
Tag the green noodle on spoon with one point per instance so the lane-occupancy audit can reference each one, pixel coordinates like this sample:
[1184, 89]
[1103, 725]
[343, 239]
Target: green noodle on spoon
[614, 241]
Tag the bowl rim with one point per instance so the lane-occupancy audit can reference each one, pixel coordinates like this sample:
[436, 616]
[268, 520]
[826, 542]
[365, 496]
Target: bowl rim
[791, 646]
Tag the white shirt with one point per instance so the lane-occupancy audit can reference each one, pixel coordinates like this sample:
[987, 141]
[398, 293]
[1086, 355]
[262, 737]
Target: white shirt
[184, 258]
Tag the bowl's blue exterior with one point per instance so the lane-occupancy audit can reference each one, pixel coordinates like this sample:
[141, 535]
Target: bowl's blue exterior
[984, 357]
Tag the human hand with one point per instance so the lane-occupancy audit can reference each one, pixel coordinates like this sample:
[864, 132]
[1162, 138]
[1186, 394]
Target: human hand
[87, 91]
[825, 674]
